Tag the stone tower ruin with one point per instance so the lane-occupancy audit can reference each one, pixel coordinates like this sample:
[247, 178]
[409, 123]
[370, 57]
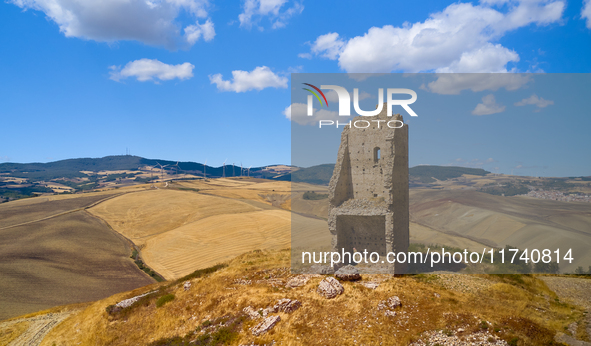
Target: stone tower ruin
[368, 191]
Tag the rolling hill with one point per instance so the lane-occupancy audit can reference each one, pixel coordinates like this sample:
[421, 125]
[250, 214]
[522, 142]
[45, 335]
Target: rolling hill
[72, 167]
[54, 252]
[180, 230]
[222, 305]
[321, 174]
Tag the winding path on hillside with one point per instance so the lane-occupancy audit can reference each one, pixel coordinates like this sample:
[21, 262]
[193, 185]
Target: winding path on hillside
[37, 328]
[63, 213]
[576, 291]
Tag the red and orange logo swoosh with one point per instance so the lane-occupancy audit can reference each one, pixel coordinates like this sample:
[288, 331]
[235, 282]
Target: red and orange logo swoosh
[315, 94]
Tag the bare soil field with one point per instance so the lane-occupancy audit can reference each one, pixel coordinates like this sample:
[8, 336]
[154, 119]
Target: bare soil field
[498, 221]
[473, 220]
[62, 260]
[314, 230]
[30, 209]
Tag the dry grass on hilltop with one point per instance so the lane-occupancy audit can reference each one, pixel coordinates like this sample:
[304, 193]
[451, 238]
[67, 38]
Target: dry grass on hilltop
[519, 309]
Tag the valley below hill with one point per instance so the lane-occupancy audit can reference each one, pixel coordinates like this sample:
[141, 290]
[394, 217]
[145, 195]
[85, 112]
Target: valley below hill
[75, 249]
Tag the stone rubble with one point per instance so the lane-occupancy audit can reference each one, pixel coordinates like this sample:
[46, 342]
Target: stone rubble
[389, 313]
[283, 305]
[267, 311]
[330, 288]
[266, 325]
[453, 339]
[128, 302]
[297, 281]
[252, 313]
[242, 282]
[372, 285]
[391, 303]
[187, 285]
[348, 273]
[287, 305]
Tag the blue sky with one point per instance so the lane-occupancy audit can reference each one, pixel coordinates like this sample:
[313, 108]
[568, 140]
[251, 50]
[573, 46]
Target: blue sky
[197, 80]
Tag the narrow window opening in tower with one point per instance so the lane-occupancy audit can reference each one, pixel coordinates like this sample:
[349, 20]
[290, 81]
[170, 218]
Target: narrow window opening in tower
[376, 154]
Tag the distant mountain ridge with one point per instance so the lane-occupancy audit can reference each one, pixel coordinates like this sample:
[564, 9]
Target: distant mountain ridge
[71, 168]
[321, 174]
[428, 174]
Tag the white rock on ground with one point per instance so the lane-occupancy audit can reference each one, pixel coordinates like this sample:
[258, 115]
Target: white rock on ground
[297, 281]
[330, 288]
[287, 305]
[390, 303]
[266, 325]
[372, 285]
[267, 311]
[389, 313]
[348, 273]
[252, 313]
[128, 302]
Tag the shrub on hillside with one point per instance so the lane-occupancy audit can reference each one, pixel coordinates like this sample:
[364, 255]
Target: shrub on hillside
[164, 299]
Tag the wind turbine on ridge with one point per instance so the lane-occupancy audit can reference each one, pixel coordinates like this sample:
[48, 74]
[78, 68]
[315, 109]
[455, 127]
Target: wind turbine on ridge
[161, 169]
[151, 172]
[224, 169]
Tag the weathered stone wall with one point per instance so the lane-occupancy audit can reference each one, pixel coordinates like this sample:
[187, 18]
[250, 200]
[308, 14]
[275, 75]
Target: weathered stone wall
[368, 192]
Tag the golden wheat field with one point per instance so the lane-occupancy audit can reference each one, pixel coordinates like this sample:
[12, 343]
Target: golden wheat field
[196, 224]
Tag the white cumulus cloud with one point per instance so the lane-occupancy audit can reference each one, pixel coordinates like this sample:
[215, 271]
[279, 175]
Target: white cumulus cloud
[153, 22]
[536, 101]
[194, 32]
[461, 38]
[253, 11]
[152, 69]
[586, 12]
[298, 112]
[488, 106]
[328, 46]
[258, 79]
